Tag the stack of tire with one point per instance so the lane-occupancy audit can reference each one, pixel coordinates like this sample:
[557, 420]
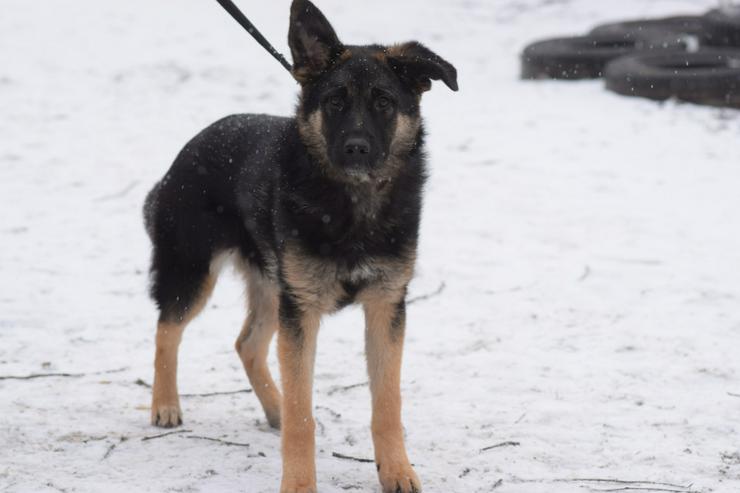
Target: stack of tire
[691, 58]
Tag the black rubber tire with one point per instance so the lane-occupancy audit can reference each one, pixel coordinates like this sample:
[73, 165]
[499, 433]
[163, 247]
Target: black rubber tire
[710, 77]
[585, 57]
[692, 25]
[724, 26]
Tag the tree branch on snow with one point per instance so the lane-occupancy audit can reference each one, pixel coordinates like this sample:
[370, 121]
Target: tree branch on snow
[152, 437]
[112, 447]
[348, 457]
[423, 297]
[334, 390]
[40, 375]
[622, 482]
[502, 444]
[218, 440]
[142, 383]
[633, 488]
[211, 394]
[109, 451]
[335, 415]
[57, 375]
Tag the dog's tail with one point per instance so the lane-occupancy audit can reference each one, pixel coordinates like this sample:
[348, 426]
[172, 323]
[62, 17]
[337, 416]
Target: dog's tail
[150, 209]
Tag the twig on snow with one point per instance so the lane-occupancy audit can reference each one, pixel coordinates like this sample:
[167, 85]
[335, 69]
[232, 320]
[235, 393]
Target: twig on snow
[112, 447]
[334, 390]
[502, 444]
[39, 375]
[586, 273]
[218, 440]
[109, 451]
[348, 457]
[152, 437]
[142, 383]
[497, 484]
[731, 394]
[622, 481]
[423, 297]
[333, 413]
[59, 375]
[638, 488]
[211, 394]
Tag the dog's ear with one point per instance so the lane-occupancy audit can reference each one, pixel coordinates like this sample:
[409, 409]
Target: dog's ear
[416, 65]
[313, 42]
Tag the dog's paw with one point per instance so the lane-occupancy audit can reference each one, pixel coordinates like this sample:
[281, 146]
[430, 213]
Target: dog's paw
[398, 478]
[273, 419]
[166, 416]
[297, 487]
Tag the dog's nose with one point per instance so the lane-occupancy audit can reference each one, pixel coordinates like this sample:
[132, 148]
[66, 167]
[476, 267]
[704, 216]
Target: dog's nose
[357, 145]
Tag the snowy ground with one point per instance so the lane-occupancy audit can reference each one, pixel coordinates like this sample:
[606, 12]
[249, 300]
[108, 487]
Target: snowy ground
[591, 314]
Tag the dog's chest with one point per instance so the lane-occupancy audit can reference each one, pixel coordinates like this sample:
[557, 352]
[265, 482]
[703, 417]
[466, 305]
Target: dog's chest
[327, 284]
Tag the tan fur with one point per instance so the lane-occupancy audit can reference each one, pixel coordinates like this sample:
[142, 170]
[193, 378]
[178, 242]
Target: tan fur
[394, 50]
[404, 135]
[346, 55]
[317, 283]
[397, 49]
[253, 342]
[318, 55]
[384, 348]
[296, 356]
[310, 128]
[313, 282]
[165, 400]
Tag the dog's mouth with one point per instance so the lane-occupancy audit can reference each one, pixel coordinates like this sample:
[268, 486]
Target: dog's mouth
[360, 167]
[375, 178]
[359, 173]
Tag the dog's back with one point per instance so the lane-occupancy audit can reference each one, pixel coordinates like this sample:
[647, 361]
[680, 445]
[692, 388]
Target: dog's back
[200, 207]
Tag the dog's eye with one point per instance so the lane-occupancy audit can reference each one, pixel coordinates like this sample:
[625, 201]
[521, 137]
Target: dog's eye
[336, 102]
[382, 103]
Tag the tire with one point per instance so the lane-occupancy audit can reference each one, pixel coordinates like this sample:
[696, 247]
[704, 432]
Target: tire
[710, 77]
[724, 26]
[585, 57]
[691, 25]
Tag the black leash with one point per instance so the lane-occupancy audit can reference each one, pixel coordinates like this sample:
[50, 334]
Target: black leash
[239, 17]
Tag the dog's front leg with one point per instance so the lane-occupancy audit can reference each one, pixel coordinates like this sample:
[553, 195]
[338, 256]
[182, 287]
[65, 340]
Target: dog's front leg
[385, 321]
[296, 352]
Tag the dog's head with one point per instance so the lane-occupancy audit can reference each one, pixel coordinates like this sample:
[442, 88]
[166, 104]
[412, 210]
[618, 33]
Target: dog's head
[359, 108]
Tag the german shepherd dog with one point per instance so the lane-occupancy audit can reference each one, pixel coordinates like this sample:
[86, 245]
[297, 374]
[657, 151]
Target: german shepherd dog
[318, 211]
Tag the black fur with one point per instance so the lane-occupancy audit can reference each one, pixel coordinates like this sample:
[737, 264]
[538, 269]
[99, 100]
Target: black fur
[251, 183]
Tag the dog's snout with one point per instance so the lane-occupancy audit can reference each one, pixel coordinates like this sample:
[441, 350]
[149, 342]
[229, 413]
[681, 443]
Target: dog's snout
[357, 145]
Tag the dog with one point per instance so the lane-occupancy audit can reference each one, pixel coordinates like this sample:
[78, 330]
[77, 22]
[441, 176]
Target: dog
[319, 211]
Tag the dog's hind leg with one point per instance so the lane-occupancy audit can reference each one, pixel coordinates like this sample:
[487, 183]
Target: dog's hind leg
[253, 342]
[385, 324]
[181, 292]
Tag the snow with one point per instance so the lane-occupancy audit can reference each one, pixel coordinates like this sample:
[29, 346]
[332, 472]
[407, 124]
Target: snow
[588, 245]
